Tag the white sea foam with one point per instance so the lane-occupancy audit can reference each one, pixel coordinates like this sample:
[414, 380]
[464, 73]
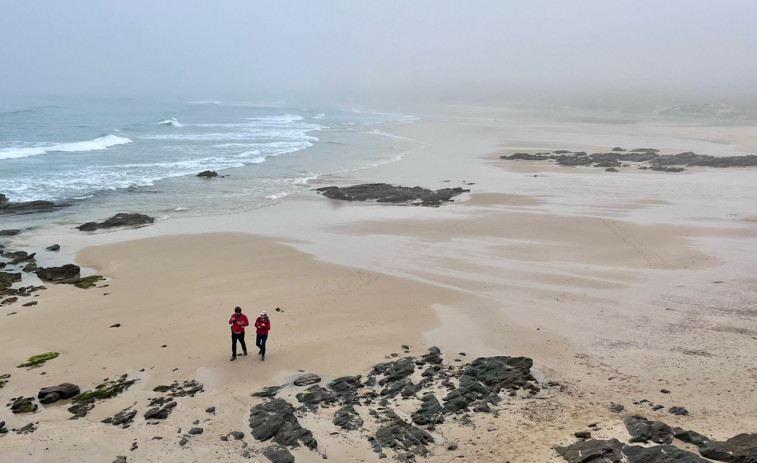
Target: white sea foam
[384, 134]
[319, 116]
[99, 143]
[172, 122]
[282, 119]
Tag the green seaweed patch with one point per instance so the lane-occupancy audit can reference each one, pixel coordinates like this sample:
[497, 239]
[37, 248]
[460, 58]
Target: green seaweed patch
[88, 282]
[24, 405]
[4, 379]
[104, 391]
[37, 360]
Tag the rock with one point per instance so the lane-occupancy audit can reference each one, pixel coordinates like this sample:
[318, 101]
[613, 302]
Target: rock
[399, 435]
[347, 418]
[690, 437]
[208, 174]
[28, 207]
[306, 380]
[678, 411]
[610, 169]
[160, 413]
[270, 391]
[659, 454]
[592, 450]
[238, 435]
[86, 400]
[52, 394]
[616, 408]
[10, 232]
[210, 410]
[121, 219]
[582, 434]
[88, 282]
[527, 156]
[195, 431]
[183, 441]
[384, 192]
[125, 416]
[738, 449]
[665, 391]
[27, 429]
[657, 407]
[617, 148]
[276, 420]
[69, 273]
[316, 395]
[501, 372]
[54, 247]
[278, 454]
[24, 405]
[429, 412]
[161, 388]
[643, 430]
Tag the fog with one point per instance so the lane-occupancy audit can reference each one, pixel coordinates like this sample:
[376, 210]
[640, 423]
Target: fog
[386, 51]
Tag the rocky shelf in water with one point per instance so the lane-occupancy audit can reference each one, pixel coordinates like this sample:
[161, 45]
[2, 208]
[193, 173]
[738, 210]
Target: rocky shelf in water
[646, 158]
[27, 207]
[386, 193]
[122, 219]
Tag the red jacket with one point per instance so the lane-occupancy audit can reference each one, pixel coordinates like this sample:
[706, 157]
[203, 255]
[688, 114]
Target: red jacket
[238, 322]
[263, 326]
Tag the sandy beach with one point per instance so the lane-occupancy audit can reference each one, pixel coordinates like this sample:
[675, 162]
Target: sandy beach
[617, 285]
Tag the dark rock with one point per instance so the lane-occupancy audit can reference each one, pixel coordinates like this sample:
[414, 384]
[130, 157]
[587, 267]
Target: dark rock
[737, 449]
[210, 410]
[402, 436]
[616, 408]
[276, 420]
[434, 356]
[690, 437]
[657, 407]
[161, 388]
[27, 207]
[501, 372]
[121, 219]
[644, 430]
[617, 148]
[306, 380]
[183, 441]
[347, 418]
[62, 391]
[195, 431]
[160, 413]
[270, 391]
[384, 192]
[7, 279]
[582, 434]
[27, 429]
[592, 451]
[678, 411]
[610, 169]
[54, 247]
[665, 391]
[429, 412]
[527, 156]
[345, 385]
[316, 395]
[10, 232]
[24, 405]
[278, 454]
[69, 273]
[399, 369]
[208, 174]
[238, 435]
[125, 416]
[659, 454]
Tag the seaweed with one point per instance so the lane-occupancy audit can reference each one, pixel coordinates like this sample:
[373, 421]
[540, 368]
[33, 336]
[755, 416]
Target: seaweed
[37, 360]
[88, 282]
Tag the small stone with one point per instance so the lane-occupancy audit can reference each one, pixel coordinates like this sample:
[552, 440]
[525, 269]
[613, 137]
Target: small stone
[183, 441]
[665, 391]
[194, 431]
[657, 407]
[616, 408]
[678, 411]
[117, 325]
[210, 410]
[238, 435]
[582, 434]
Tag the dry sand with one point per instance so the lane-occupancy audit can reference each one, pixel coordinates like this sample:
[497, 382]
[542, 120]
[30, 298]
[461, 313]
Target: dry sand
[617, 287]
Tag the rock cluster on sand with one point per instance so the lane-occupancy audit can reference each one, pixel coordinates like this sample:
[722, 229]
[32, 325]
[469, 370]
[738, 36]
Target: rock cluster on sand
[386, 193]
[444, 392]
[26, 207]
[650, 157]
[122, 219]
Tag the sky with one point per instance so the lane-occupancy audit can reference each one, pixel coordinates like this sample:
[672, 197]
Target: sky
[390, 50]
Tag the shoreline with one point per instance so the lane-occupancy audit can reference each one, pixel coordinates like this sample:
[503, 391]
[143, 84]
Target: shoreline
[616, 282]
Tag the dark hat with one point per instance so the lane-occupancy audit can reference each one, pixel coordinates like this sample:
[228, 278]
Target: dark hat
[237, 309]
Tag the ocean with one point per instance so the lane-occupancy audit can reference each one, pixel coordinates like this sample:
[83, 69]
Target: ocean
[101, 158]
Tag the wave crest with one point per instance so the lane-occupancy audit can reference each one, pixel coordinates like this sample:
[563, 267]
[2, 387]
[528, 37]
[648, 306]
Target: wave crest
[99, 143]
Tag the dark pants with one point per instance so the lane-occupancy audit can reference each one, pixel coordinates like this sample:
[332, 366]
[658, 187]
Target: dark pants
[260, 342]
[240, 337]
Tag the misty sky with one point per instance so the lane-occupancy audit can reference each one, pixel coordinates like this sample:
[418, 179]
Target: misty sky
[413, 50]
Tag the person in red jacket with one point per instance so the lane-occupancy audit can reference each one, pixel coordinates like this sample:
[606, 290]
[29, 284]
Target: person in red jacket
[262, 325]
[238, 321]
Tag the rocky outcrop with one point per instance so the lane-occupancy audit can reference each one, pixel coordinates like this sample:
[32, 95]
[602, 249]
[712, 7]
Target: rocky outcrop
[85, 401]
[208, 174]
[121, 219]
[644, 430]
[307, 380]
[347, 418]
[278, 454]
[275, 420]
[26, 207]
[48, 395]
[386, 193]
[69, 273]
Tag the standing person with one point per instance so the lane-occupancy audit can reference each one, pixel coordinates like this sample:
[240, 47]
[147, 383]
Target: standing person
[238, 321]
[262, 325]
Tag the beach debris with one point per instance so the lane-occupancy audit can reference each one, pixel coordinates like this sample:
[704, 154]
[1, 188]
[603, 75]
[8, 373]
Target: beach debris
[69, 273]
[88, 282]
[122, 219]
[53, 247]
[386, 193]
[48, 395]
[24, 405]
[306, 380]
[208, 174]
[37, 360]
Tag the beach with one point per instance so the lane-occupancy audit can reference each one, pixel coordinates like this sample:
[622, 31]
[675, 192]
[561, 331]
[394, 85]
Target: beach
[617, 285]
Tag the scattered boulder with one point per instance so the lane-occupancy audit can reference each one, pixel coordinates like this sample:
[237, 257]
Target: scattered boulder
[644, 430]
[678, 411]
[48, 395]
[347, 418]
[54, 247]
[270, 391]
[275, 420]
[278, 454]
[10, 232]
[306, 380]
[195, 431]
[588, 450]
[121, 219]
[208, 174]
[430, 411]
[69, 273]
[27, 207]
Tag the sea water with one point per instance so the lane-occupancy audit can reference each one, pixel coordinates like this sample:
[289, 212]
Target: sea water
[104, 157]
